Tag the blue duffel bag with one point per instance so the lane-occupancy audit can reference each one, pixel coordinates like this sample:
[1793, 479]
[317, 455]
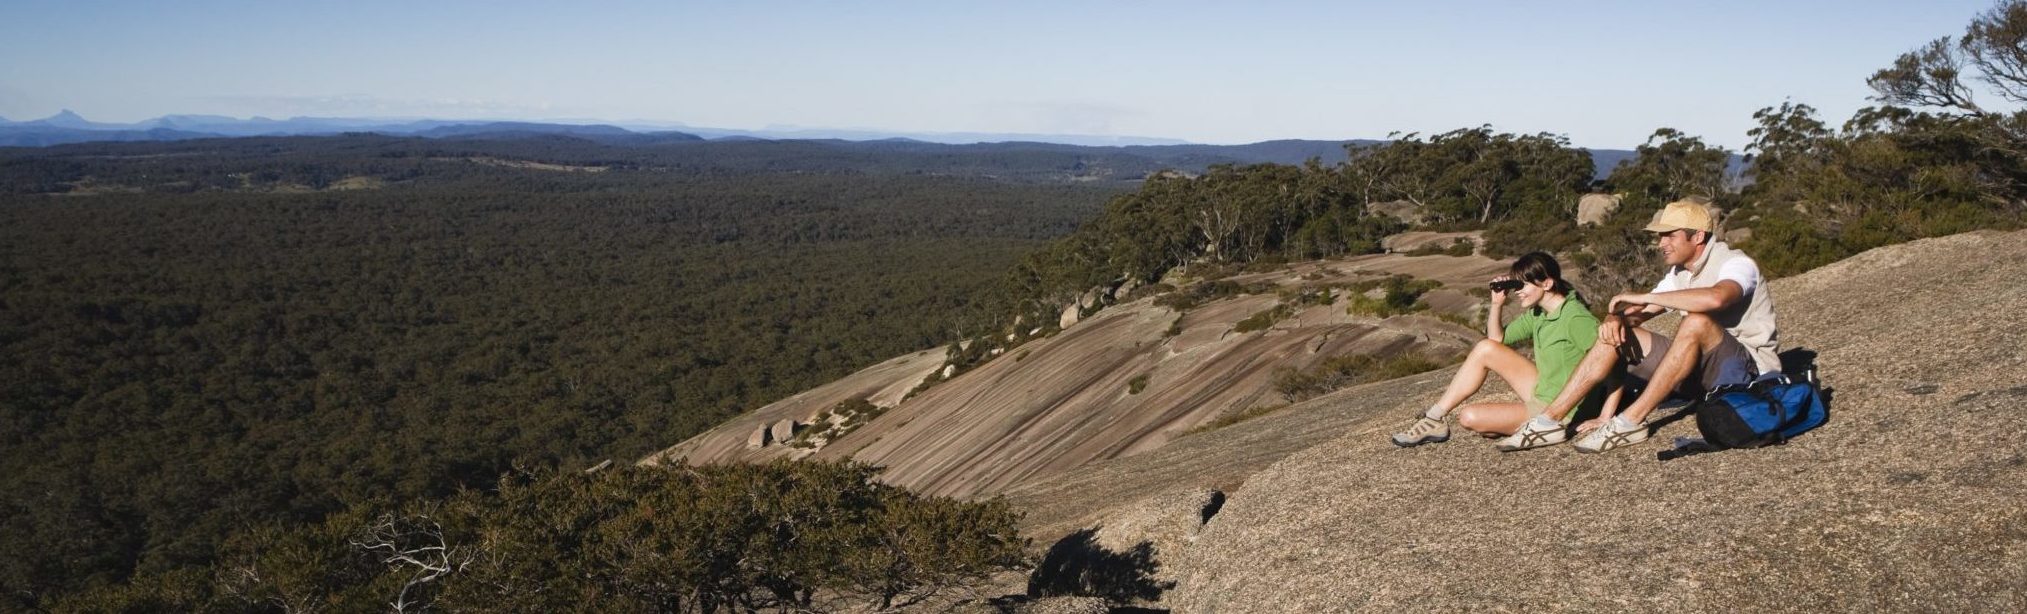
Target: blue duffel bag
[1769, 411]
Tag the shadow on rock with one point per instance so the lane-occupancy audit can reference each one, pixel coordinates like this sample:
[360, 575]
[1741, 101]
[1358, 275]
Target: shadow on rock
[1077, 565]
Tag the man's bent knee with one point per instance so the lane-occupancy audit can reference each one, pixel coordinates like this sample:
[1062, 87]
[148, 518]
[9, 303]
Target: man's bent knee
[1697, 326]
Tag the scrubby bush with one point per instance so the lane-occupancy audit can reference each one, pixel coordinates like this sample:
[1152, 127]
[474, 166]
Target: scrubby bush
[1401, 294]
[1458, 247]
[1198, 294]
[1263, 320]
[1231, 418]
[801, 536]
[1342, 371]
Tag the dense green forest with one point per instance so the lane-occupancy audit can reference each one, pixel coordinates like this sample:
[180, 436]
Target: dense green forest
[1926, 162]
[246, 373]
[218, 334]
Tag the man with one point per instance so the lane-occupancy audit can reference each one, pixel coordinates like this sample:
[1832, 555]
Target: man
[1727, 334]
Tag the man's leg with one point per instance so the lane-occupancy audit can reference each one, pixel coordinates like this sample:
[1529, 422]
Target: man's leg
[1698, 335]
[1595, 367]
[1694, 339]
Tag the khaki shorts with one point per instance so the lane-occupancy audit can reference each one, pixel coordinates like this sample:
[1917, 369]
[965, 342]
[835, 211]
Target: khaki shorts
[1726, 365]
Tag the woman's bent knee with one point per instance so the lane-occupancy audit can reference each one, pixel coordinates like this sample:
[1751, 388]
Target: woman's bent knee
[1486, 346]
[1471, 418]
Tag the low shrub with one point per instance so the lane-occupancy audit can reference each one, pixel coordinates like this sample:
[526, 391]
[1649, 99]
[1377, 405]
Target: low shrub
[1344, 371]
[1198, 294]
[1263, 320]
[1402, 295]
[1236, 417]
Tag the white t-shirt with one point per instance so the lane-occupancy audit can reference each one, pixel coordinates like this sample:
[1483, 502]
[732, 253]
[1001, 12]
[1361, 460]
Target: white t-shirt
[1742, 271]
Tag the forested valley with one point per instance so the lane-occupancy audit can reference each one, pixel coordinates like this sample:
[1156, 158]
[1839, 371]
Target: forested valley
[359, 371]
[200, 338]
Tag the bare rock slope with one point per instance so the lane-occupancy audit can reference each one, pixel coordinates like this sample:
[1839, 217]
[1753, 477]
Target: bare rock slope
[1126, 381]
[1912, 497]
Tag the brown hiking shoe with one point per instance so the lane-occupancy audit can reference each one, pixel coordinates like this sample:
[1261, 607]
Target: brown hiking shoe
[1425, 430]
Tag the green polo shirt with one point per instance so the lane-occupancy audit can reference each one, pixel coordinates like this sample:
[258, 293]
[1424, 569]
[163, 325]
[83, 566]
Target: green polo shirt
[1560, 341]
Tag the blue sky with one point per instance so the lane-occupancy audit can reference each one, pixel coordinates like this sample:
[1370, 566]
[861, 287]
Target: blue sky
[1604, 73]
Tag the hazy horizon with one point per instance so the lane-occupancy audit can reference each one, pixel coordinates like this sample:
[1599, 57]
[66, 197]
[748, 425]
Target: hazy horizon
[1602, 74]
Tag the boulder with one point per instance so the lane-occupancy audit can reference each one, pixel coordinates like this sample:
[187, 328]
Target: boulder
[1736, 236]
[949, 370]
[759, 439]
[1401, 210]
[1419, 239]
[1592, 209]
[1071, 314]
[1091, 297]
[1125, 289]
[783, 431]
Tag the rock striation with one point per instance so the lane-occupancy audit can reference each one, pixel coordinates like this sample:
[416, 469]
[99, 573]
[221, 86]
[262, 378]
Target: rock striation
[1059, 402]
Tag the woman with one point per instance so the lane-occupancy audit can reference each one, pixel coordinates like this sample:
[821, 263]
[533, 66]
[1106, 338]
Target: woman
[1562, 329]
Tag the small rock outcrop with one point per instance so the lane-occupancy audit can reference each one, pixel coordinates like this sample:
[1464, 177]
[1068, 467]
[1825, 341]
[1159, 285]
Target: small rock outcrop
[1402, 210]
[1411, 241]
[1071, 314]
[1736, 236]
[760, 438]
[1592, 209]
[1089, 300]
[783, 431]
[1125, 288]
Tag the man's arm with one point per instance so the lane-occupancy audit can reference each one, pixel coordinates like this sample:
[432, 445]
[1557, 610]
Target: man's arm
[1612, 330]
[1693, 300]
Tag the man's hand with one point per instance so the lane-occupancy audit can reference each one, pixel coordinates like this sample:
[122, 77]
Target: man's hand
[1629, 304]
[1612, 331]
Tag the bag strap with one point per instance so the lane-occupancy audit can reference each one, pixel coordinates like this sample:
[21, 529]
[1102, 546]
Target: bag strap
[1679, 451]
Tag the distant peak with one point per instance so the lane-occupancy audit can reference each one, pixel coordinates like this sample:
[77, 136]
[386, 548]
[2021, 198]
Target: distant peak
[65, 119]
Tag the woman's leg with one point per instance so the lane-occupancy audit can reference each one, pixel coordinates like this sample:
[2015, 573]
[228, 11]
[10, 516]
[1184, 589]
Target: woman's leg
[1493, 419]
[1491, 356]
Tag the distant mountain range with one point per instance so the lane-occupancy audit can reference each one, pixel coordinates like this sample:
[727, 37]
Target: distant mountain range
[69, 127]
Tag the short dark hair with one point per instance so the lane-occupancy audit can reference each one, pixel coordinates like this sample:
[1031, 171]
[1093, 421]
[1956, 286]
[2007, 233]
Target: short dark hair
[1535, 267]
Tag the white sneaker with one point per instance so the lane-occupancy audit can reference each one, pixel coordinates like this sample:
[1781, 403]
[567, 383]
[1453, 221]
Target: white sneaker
[1532, 434]
[1615, 433]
